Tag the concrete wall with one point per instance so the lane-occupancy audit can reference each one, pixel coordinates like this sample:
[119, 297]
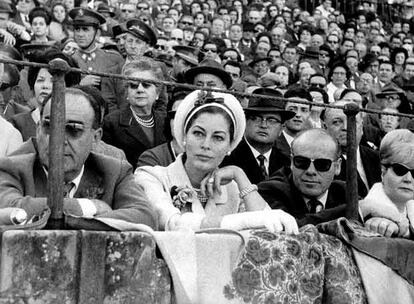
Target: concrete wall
[58, 266]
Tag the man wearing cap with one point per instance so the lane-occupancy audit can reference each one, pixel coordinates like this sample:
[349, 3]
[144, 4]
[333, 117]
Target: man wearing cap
[139, 37]
[185, 58]
[260, 65]
[209, 73]
[256, 153]
[89, 57]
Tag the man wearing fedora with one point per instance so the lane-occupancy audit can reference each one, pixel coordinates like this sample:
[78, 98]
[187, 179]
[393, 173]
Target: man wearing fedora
[256, 153]
[90, 57]
[185, 57]
[209, 73]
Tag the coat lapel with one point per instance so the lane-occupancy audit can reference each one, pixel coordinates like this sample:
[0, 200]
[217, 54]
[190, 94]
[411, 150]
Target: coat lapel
[91, 185]
[132, 128]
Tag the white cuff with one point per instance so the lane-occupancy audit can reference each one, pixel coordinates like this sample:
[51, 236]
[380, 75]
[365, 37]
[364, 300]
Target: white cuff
[88, 207]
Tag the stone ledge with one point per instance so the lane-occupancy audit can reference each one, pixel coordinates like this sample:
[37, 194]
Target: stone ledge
[58, 266]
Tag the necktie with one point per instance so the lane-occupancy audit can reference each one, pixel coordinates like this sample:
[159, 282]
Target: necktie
[314, 206]
[66, 189]
[261, 159]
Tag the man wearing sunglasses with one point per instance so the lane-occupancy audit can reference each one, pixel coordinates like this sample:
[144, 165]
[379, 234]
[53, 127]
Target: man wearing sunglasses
[308, 190]
[95, 185]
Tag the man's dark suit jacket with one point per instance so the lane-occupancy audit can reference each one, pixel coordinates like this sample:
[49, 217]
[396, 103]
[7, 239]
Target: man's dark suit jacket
[25, 124]
[243, 157]
[121, 130]
[23, 184]
[282, 145]
[372, 166]
[281, 193]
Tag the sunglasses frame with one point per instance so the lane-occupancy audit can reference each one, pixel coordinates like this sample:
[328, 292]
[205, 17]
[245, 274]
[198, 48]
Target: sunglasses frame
[316, 163]
[401, 167]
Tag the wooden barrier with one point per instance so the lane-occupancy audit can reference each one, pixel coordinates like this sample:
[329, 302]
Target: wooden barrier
[82, 267]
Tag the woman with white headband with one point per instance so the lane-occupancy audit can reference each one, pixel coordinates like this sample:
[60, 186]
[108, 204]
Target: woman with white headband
[193, 192]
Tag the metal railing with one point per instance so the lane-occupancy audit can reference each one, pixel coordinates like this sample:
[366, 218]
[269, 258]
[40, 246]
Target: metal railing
[59, 68]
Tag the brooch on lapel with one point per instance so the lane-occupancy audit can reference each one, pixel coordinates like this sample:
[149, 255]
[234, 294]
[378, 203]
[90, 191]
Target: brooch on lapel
[183, 198]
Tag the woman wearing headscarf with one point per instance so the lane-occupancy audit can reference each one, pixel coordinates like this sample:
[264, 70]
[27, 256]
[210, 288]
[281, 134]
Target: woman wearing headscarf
[193, 192]
[389, 206]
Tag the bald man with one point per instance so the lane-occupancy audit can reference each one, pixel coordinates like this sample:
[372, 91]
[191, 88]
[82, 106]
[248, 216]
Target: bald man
[308, 190]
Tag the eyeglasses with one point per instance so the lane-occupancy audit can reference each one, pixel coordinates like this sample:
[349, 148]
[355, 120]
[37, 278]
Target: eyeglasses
[320, 164]
[186, 23]
[127, 11]
[210, 50]
[142, 8]
[230, 58]
[269, 121]
[135, 85]
[160, 47]
[392, 97]
[339, 73]
[332, 41]
[72, 130]
[176, 39]
[400, 170]
[323, 55]
[317, 85]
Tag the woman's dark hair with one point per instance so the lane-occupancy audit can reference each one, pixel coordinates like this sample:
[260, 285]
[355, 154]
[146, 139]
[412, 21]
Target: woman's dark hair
[176, 95]
[213, 110]
[322, 91]
[71, 78]
[306, 27]
[397, 51]
[342, 65]
[40, 12]
[267, 34]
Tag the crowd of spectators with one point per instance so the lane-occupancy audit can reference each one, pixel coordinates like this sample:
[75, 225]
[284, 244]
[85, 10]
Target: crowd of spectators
[295, 152]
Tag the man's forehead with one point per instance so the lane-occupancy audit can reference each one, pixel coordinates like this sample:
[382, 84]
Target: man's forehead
[76, 106]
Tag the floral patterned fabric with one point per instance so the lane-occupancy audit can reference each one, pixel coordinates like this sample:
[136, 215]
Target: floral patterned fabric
[305, 268]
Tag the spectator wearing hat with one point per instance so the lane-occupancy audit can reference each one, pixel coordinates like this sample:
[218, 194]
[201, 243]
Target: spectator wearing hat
[139, 37]
[119, 34]
[109, 13]
[260, 66]
[185, 58]
[247, 43]
[209, 73]
[256, 153]
[89, 57]
[219, 195]
[326, 56]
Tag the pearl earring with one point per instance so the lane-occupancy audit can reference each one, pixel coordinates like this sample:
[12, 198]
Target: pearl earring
[228, 153]
[184, 143]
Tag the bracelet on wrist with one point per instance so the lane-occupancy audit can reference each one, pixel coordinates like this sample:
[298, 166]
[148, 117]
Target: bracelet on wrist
[247, 190]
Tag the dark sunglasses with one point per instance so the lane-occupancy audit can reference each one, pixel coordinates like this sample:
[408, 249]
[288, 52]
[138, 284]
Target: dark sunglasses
[186, 23]
[317, 85]
[160, 47]
[135, 85]
[72, 130]
[401, 170]
[211, 50]
[320, 164]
